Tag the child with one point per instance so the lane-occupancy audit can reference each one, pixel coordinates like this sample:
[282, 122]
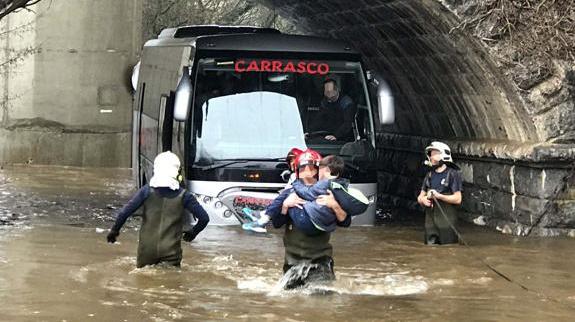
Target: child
[314, 217]
[164, 203]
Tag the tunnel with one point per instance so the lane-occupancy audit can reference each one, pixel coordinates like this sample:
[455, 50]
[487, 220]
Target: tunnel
[458, 73]
[512, 137]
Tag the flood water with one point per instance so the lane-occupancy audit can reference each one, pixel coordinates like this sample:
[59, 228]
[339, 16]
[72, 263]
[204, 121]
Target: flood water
[55, 265]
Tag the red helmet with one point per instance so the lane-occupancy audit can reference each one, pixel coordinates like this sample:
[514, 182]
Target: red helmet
[292, 156]
[308, 157]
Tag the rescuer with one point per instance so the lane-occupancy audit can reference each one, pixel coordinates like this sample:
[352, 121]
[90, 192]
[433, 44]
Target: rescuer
[164, 203]
[440, 195]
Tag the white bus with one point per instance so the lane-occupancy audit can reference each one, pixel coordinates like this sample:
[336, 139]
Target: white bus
[232, 101]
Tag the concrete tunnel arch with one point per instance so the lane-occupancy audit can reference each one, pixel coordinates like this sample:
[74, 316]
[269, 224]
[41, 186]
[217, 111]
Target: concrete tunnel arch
[446, 86]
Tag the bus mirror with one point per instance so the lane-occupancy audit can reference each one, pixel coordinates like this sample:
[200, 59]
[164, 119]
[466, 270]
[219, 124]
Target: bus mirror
[183, 96]
[135, 76]
[385, 105]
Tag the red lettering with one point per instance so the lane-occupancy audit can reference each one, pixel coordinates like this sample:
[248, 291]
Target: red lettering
[301, 67]
[276, 66]
[322, 69]
[238, 68]
[253, 67]
[310, 70]
[289, 67]
[266, 66]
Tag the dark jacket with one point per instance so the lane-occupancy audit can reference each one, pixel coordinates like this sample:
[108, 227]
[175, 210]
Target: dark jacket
[337, 118]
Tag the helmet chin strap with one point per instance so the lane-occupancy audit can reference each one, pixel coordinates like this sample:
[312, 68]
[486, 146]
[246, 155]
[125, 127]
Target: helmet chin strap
[438, 165]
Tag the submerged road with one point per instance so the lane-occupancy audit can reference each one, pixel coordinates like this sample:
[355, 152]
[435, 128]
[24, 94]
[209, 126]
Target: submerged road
[55, 265]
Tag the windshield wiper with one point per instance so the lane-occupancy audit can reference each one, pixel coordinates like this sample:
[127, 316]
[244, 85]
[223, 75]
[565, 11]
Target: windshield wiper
[236, 161]
[221, 165]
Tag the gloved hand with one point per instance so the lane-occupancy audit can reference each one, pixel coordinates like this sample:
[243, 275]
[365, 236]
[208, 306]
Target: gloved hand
[112, 235]
[188, 236]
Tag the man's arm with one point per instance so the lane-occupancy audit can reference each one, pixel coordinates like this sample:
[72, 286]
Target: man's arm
[348, 110]
[135, 202]
[310, 193]
[342, 219]
[422, 199]
[192, 205]
[454, 199]
[274, 210]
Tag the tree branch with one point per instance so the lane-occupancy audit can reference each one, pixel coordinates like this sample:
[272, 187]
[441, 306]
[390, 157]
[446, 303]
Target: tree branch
[9, 6]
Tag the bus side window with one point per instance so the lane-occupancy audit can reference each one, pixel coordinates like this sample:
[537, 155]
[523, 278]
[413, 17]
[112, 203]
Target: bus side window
[167, 125]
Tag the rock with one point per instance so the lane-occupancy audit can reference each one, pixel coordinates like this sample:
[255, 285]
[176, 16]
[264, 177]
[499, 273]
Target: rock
[527, 76]
[480, 221]
[505, 230]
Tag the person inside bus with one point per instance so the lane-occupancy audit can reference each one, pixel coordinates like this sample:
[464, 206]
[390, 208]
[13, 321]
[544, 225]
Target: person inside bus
[163, 201]
[307, 258]
[336, 114]
[440, 195]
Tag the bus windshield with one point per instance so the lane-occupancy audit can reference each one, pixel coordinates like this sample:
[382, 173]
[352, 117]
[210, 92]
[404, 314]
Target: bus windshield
[261, 108]
[255, 125]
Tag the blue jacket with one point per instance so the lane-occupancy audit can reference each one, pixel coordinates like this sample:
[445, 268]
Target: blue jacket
[278, 219]
[322, 216]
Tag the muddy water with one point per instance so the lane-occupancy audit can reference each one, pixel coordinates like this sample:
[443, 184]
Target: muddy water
[55, 265]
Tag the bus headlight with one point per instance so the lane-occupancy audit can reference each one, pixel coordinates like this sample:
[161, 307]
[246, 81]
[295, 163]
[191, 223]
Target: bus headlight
[227, 213]
[218, 204]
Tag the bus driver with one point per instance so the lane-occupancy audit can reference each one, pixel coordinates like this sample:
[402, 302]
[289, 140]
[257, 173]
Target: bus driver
[336, 114]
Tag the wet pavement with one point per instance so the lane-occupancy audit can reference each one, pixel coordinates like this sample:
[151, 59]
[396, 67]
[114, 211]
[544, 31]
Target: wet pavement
[55, 265]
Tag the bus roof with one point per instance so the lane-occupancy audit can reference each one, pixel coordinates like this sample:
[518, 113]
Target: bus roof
[212, 39]
[276, 43]
[205, 30]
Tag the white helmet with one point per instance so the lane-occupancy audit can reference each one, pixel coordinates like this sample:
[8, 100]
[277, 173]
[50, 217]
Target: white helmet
[442, 148]
[166, 171]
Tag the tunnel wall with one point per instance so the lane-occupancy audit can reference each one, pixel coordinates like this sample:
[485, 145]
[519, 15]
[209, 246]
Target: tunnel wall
[68, 100]
[449, 86]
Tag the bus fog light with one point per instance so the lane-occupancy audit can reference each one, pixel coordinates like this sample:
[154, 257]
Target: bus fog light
[227, 213]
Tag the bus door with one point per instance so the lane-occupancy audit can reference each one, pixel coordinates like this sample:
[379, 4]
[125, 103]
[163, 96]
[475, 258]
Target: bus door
[165, 123]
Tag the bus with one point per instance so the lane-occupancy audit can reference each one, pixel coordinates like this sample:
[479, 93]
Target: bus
[232, 101]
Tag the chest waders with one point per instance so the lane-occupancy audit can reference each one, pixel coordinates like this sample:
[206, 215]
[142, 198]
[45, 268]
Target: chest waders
[161, 231]
[307, 258]
[437, 227]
